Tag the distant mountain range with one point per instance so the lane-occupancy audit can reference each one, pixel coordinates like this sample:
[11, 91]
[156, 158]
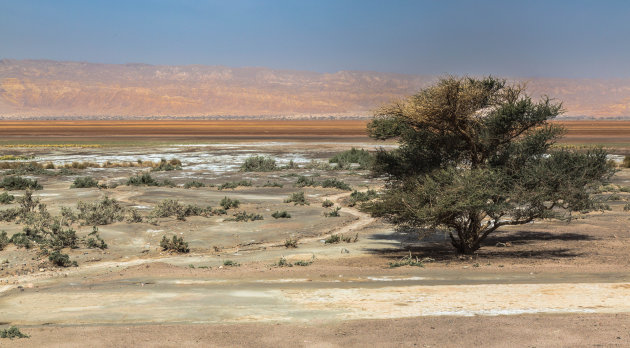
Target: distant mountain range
[51, 89]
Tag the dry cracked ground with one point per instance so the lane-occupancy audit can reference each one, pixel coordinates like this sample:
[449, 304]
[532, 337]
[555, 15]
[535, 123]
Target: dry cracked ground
[546, 284]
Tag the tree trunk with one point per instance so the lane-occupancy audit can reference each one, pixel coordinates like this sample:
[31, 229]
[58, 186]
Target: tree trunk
[467, 241]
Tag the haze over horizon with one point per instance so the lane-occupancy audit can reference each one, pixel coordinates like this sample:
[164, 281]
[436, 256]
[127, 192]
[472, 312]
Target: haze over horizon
[568, 39]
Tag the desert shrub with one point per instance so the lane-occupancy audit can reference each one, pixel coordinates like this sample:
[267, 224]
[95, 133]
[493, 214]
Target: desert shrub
[626, 207]
[336, 184]
[259, 164]
[103, 212]
[194, 184]
[626, 162]
[164, 165]
[21, 240]
[9, 214]
[327, 203]
[333, 239]
[273, 184]
[62, 260]
[337, 238]
[291, 165]
[281, 215]
[176, 244]
[304, 181]
[625, 189]
[147, 180]
[170, 207]
[243, 216]
[296, 198]
[356, 197]
[228, 203]
[133, 216]
[59, 237]
[333, 213]
[314, 164]
[407, 261]
[231, 263]
[95, 241]
[84, 182]
[10, 183]
[12, 332]
[302, 263]
[67, 215]
[291, 243]
[234, 184]
[614, 197]
[283, 263]
[32, 168]
[359, 156]
[6, 198]
[4, 240]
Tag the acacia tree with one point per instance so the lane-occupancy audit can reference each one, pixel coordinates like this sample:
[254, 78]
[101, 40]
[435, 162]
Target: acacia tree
[476, 155]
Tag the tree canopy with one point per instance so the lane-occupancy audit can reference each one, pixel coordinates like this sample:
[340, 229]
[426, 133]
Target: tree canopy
[475, 155]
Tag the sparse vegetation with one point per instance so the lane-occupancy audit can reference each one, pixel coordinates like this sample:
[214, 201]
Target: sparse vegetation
[62, 260]
[281, 215]
[344, 160]
[11, 183]
[337, 238]
[164, 165]
[231, 263]
[228, 203]
[12, 332]
[194, 184]
[327, 203]
[259, 164]
[176, 244]
[356, 197]
[95, 241]
[283, 263]
[243, 216]
[171, 207]
[333, 213]
[291, 243]
[234, 184]
[626, 162]
[407, 261]
[147, 180]
[103, 212]
[304, 181]
[84, 182]
[272, 184]
[297, 198]
[336, 184]
[6, 198]
[4, 240]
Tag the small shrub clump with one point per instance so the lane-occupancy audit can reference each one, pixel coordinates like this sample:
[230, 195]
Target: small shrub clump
[259, 164]
[626, 162]
[4, 240]
[176, 244]
[194, 184]
[335, 184]
[281, 215]
[297, 198]
[272, 184]
[333, 213]
[11, 183]
[6, 198]
[304, 181]
[228, 203]
[103, 212]
[337, 238]
[291, 243]
[234, 184]
[359, 156]
[231, 263]
[327, 203]
[164, 165]
[84, 182]
[356, 197]
[243, 216]
[147, 180]
[95, 241]
[12, 332]
[62, 260]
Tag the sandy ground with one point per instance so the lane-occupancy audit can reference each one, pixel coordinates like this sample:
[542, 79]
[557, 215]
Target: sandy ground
[545, 284]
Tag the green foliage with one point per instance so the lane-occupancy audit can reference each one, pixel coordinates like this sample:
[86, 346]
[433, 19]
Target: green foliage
[302, 263]
[6, 198]
[176, 244]
[228, 203]
[95, 241]
[4, 240]
[327, 203]
[147, 180]
[11, 183]
[234, 184]
[171, 207]
[297, 198]
[231, 263]
[281, 215]
[407, 261]
[259, 164]
[21, 240]
[304, 181]
[359, 156]
[62, 260]
[272, 184]
[133, 216]
[12, 332]
[333, 213]
[475, 155]
[356, 197]
[333, 239]
[336, 184]
[84, 182]
[194, 184]
[283, 263]
[244, 217]
[164, 165]
[103, 212]
[626, 162]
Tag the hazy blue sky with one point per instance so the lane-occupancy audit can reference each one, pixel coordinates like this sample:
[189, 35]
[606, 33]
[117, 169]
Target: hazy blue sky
[569, 38]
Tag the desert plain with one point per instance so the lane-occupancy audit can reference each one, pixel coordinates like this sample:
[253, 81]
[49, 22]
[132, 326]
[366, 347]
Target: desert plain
[284, 281]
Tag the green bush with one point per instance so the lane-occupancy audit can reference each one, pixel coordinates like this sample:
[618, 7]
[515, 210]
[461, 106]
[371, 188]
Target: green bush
[304, 181]
[165, 165]
[357, 196]
[291, 243]
[281, 215]
[327, 203]
[133, 216]
[228, 203]
[176, 244]
[4, 240]
[147, 180]
[231, 263]
[244, 217]
[6, 198]
[194, 184]
[359, 156]
[283, 263]
[333, 213]
[337, 238]
[272, 184]
[234, 184]
[102, 212]
[626, 162]
[12, 332]
[59, 238]
[95, 241]
[84, 182]
[296, 198]
[62, 260]
[21, 240]
[336, 184]
[170, 207]
[10, 183]
[259, 164]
